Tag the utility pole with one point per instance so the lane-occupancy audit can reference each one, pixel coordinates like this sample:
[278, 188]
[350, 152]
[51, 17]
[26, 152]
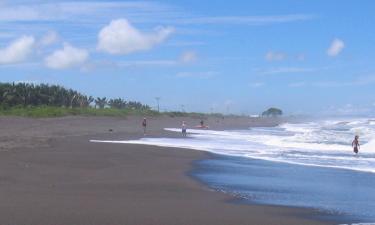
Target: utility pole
[157, 100]
[71, 102]
[182, 108]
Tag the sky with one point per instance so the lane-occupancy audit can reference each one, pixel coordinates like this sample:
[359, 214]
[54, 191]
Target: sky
[241, 56]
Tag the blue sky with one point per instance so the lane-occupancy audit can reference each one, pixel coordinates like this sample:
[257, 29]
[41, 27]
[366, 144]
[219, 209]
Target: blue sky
[237, 57]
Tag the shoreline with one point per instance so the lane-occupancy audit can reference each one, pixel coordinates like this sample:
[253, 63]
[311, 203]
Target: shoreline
[68, 180]
[310, 213]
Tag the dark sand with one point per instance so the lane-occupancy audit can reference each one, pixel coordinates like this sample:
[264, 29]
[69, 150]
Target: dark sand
[51, 174]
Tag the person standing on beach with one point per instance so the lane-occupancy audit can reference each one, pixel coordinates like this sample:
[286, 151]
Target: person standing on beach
[183, 127]
[355, 144]
[144, 125]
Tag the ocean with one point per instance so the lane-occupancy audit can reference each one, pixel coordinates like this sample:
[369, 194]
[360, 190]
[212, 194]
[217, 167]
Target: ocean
[306, 164]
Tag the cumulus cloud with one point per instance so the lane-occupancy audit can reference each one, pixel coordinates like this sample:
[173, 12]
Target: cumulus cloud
[188, 57]
[67, 57]
[17, 51]
[336, 47]
[275, 56]
[120, 37]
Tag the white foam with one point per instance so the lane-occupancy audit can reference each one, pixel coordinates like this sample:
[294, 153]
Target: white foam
[321, 144]
[369, 147]
[359, 224]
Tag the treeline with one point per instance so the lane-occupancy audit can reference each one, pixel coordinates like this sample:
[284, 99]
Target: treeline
[26, 94]
[272, 112]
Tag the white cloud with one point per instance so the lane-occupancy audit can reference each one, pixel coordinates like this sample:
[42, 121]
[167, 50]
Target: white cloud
[17, 51]
[67, 57]
[18, 13]
[248, 20]
[275, 56]
[139, 11]
[76, 10]
[188, 57]
[185, 57]
[49, 38]
[336, 47]
[120, 37]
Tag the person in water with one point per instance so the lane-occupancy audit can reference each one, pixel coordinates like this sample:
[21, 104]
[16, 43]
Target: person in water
[355, 144]
[144, 125]
[183, 127]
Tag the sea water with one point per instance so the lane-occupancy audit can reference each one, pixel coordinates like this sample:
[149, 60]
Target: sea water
[308, 164]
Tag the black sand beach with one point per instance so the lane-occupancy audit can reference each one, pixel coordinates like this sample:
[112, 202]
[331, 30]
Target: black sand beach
[51, 174]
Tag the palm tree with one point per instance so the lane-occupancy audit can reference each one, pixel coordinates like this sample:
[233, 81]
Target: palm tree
[101, 102]
[117, 103]
[25, 94]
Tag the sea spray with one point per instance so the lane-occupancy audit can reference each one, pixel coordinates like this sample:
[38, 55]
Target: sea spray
[325, 143]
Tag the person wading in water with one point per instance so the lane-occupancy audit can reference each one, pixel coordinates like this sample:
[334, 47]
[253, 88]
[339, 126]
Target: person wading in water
[355, 144]
[183, 128]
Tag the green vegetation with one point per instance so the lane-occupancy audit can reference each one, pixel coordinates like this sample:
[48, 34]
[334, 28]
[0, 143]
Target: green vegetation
[44, 100]
[24, 94]
[51, 111]
[191, 114]
[272, 112]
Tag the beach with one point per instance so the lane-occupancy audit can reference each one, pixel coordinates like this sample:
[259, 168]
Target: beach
[126, 112]
[50, 173]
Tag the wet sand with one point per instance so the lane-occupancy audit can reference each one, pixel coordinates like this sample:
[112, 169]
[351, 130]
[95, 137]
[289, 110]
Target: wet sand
[51, 174]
